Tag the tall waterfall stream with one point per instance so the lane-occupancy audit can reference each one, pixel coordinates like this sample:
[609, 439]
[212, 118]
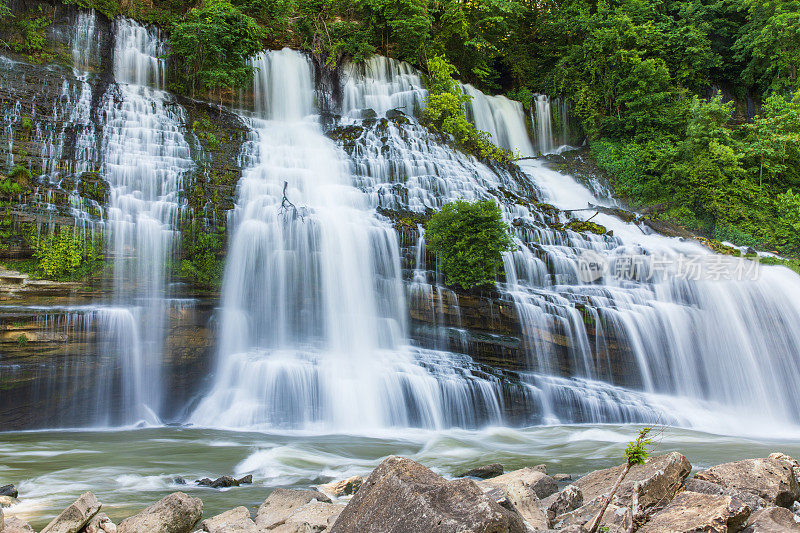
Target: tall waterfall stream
[318, 371]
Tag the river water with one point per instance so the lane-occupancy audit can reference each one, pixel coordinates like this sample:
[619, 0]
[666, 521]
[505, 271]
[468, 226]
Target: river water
[130, 469]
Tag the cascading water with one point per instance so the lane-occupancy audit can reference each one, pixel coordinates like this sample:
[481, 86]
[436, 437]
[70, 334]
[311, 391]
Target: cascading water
[313, 327]
[145, 157]
[125, 131]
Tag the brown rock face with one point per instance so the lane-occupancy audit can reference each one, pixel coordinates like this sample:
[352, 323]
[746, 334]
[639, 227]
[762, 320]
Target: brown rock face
[772, 478]
[772, 520]
[403, 496]
[653, 483]
[73, 518]
[176, 513]
[692, 511]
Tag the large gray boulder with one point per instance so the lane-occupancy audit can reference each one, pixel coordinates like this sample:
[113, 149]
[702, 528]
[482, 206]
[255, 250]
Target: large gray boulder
[706, 487]
[234, 521]
[403, 496]
[76, 516]
[772, 520]
[538, 481]
[652, 484]
[15, 525]
[281, 503]
[772, 478]
[176, 513]
[692, 511]
[313, 517]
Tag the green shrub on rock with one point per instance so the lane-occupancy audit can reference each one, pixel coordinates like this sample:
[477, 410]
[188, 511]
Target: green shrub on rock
[469, 239]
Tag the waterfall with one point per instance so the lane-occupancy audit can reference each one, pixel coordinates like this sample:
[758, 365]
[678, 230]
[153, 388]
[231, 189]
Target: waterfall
[313, 327]
[145, 157]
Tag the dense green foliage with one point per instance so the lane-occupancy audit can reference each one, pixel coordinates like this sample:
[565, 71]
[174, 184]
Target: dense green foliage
[642, 78]
[64, 253]
[203, 263]
[211, 45]
[469, 239]
[444, 112]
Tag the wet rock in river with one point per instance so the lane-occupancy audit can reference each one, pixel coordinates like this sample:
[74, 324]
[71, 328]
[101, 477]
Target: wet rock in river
[484, 472]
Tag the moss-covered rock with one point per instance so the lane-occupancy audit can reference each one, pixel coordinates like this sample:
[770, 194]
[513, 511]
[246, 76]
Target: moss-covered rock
[587, 226]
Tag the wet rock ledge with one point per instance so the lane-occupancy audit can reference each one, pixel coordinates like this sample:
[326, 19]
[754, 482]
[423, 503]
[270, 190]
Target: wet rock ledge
[402, 496]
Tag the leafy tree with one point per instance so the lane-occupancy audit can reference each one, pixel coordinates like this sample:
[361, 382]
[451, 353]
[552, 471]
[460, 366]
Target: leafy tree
[769, 44]
[444, 113]
[211, 46]
[469, 239]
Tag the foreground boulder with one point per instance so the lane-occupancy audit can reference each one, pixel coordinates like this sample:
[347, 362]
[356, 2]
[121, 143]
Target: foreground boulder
[76, 516]
[345, 487]
[15, 525]
[566, 501]
[100, 523]
[281, 503]
[692, 511]
[234, 521]
[772, 478]
[520, 498]
[484, 472]
[315, 516]
[615, 519]
[538, 481]
[652, 484]
[403, 496]
[772, 520]
[176, 513]
[706, 487]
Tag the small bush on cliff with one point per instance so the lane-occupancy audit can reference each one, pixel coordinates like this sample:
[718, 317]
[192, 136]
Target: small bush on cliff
[202, 263]
[66, 254]
[469, 239]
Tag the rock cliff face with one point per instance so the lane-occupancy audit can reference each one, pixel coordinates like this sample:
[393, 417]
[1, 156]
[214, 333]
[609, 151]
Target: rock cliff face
[54, 347]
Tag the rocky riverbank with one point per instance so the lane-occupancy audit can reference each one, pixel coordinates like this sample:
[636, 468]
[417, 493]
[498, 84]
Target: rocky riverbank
[400, 495]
